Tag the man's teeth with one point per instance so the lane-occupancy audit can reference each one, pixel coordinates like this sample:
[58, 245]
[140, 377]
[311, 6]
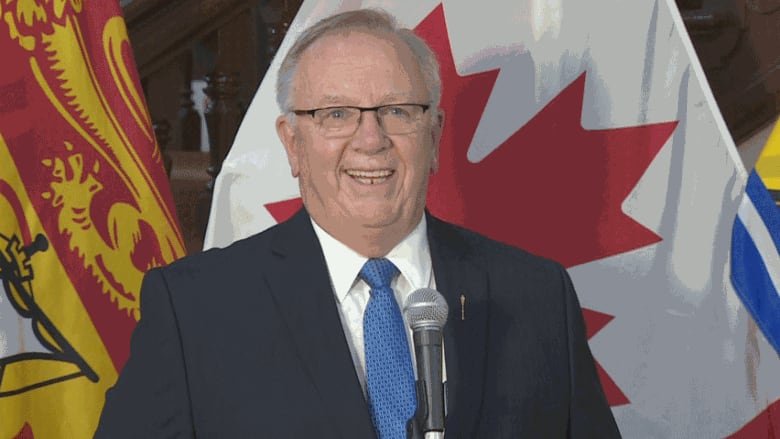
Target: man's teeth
[370, 177]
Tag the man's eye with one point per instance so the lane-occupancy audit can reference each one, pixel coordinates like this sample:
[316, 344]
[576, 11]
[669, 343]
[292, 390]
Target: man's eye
[336, 113]
[397, 111]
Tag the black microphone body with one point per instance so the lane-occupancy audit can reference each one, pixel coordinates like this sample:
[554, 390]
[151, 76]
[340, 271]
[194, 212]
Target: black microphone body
[426, 312]
[428, 352]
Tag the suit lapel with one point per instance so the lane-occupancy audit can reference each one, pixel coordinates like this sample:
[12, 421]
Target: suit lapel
[464, 285]
[300, 283]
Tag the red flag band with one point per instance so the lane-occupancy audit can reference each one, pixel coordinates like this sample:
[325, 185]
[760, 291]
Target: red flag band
[85, 211]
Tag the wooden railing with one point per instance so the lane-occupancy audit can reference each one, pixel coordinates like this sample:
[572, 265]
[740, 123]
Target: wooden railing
[229, 45]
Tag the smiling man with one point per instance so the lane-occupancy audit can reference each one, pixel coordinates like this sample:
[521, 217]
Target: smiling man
[365, 137]
[296, 332]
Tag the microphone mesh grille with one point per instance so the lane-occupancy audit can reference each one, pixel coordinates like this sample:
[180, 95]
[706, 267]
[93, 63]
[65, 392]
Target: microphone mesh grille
[425, 307]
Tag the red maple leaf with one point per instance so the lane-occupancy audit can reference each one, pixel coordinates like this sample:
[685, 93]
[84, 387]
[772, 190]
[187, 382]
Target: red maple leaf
[553, 188]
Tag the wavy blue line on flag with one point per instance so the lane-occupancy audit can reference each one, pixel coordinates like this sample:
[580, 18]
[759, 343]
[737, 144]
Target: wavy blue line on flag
[755, 260]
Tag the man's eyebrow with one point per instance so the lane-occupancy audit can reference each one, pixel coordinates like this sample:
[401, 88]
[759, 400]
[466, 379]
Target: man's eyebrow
[388, 98]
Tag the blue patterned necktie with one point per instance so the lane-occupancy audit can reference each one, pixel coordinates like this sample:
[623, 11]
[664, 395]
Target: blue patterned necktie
[389, 376]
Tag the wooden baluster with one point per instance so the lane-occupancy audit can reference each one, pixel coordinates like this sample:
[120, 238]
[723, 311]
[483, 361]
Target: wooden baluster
[223, 115]
[189, 119]
[223, 111]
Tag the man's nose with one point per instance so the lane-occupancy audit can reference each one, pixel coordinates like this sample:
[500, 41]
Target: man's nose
[370, 137]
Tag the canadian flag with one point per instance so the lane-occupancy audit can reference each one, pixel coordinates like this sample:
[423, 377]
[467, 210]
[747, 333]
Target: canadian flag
[584, 132]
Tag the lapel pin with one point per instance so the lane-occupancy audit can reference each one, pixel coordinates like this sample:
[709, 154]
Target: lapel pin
[462, 307]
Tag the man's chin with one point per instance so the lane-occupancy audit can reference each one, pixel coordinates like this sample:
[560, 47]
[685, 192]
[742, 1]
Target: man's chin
[387, 220]
[367, 216]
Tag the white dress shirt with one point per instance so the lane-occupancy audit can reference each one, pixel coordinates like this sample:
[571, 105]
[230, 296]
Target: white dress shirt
[412, 257]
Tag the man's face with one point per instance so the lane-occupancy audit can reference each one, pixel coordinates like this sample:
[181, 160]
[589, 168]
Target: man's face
[369, 181]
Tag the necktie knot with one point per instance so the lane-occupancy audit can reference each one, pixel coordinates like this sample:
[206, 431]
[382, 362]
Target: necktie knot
[378, 273]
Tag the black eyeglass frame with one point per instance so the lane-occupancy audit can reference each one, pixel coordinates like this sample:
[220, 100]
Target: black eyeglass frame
[311, 112]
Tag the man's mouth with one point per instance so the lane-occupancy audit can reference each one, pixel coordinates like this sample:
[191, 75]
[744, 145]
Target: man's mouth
[370, 177]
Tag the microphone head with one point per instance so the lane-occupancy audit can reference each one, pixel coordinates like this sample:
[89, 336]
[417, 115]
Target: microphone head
[425, 308]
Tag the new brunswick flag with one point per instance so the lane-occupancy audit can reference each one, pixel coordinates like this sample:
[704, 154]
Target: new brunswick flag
[85, 211]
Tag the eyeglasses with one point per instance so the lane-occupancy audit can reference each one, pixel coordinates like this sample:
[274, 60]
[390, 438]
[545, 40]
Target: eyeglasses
[344, 121]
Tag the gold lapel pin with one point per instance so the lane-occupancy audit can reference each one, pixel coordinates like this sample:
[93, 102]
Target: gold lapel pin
[462, 307]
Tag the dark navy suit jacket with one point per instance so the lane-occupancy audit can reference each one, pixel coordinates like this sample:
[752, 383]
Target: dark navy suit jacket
[246, 342]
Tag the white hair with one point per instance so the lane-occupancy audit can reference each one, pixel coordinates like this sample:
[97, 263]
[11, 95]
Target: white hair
[373, 20]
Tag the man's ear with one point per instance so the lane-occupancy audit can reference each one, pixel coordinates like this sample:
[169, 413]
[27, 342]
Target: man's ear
[436, 131]
[287, 134]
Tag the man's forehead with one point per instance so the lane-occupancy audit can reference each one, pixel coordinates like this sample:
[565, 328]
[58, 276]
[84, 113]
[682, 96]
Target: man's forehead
[340, 36]
[349, 46]
[347, 68]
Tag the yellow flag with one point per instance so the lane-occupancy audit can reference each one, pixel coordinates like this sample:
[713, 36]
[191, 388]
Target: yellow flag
[768, 164]
[85, 211]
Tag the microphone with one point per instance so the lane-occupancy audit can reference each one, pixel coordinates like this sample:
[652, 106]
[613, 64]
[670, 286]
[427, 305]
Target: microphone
[426, 311]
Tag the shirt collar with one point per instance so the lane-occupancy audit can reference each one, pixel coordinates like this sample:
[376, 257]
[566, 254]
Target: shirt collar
[412, 257]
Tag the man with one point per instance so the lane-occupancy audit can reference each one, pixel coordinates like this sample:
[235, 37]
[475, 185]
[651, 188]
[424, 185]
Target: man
[296, 332]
